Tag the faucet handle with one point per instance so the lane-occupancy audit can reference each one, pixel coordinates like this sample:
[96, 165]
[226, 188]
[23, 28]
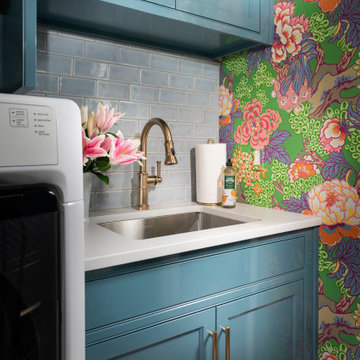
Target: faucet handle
[155, 179]
[158, 165]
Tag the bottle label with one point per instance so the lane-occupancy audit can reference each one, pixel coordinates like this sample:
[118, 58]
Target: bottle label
[229, 192]
[229, 182]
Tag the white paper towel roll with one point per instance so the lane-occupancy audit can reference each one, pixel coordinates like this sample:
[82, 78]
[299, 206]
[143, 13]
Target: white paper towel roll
[210, 162]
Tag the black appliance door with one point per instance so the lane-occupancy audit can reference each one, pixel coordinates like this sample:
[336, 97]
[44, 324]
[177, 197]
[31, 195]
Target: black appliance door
[29, 273]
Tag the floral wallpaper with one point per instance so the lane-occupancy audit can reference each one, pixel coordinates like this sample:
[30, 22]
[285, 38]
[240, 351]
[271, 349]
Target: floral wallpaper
[297, 106]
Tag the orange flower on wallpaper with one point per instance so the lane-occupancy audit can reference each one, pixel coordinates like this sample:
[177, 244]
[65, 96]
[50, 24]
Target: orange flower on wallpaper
[338, 205]
[327, 356]
[326, 5]
[302, 168]
[227, 105]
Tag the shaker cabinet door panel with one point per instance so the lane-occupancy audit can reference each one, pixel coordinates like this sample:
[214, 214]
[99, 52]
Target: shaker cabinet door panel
[267, 325]
[179, 339]
[239, 13]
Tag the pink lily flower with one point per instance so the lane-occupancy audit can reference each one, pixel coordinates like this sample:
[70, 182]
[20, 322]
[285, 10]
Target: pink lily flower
[84, 116]
[105, 118]
[92, 147]
[88, 122]
[124, 151]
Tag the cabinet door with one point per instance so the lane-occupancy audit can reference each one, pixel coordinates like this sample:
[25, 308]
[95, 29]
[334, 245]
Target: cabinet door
[268, 325]
[240, 13]
[18, 46]
[183, 338]
[169, 3]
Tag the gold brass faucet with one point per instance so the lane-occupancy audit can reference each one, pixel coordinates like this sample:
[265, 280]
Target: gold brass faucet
[170, 159]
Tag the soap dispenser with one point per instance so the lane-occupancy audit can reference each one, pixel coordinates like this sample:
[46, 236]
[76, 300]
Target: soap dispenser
[229, 186]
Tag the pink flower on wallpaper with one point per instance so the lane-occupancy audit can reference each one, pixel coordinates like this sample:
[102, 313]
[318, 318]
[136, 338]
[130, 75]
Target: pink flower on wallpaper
[227, 105]
[332, 138]
[338, 205]
[291, 101]
[257, 126]
[289, 30]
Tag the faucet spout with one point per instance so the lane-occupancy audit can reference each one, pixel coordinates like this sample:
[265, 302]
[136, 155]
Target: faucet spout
[170, 159]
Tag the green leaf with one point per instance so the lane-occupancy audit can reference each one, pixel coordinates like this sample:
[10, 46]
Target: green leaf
[103, 164]
[103, 178]
[88, 166]
[115, 136]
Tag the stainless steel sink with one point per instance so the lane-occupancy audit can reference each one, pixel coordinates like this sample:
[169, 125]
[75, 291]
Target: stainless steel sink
[146, 228]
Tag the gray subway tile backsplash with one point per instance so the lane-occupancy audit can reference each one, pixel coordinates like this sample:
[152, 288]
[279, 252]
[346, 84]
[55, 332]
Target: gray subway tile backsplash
[144, 93]
[181, 82]
[190, 67]
[76, 86]
[124, 73]
[47, 83]
[208, 85]
[134, 57]
[54, 64]
[197, 99]
[143, 83]
[65, 46]
[162, 62]
[90, 69]
[210, 116]
[212, 71]
[175, 97]
[92, 103]
[113, 90]
[165, 112]
[104, 52]
[189, 114]
[41, 42]
[154, 78]
[134, 110]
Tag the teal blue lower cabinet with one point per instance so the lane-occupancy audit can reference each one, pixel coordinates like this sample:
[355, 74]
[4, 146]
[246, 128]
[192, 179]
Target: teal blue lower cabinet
[179, 339]
[258, 296]
[268, 325]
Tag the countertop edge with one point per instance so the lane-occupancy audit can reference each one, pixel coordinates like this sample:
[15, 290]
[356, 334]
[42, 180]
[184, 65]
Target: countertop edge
[112, 250]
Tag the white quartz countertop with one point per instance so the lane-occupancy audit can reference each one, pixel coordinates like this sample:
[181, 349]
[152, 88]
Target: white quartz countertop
[105, 248]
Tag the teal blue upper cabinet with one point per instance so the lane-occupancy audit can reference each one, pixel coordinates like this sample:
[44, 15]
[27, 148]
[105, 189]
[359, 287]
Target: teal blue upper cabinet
[245, 14]
[209, 28]
[169, 3]
[18, 46]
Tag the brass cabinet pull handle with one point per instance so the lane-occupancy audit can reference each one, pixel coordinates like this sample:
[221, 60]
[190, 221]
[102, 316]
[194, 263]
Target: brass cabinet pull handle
[213, 334]
[227, 339]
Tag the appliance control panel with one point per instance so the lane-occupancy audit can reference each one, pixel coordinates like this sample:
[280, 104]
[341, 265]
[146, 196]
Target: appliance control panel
[28, 135]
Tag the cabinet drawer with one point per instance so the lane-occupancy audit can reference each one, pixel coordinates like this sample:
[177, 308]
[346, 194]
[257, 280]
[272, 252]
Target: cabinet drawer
[117, 298]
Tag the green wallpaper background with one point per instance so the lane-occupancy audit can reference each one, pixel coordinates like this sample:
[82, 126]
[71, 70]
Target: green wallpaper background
[297, 104]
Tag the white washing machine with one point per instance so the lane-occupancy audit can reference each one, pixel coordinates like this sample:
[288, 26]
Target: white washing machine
[41, 230]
